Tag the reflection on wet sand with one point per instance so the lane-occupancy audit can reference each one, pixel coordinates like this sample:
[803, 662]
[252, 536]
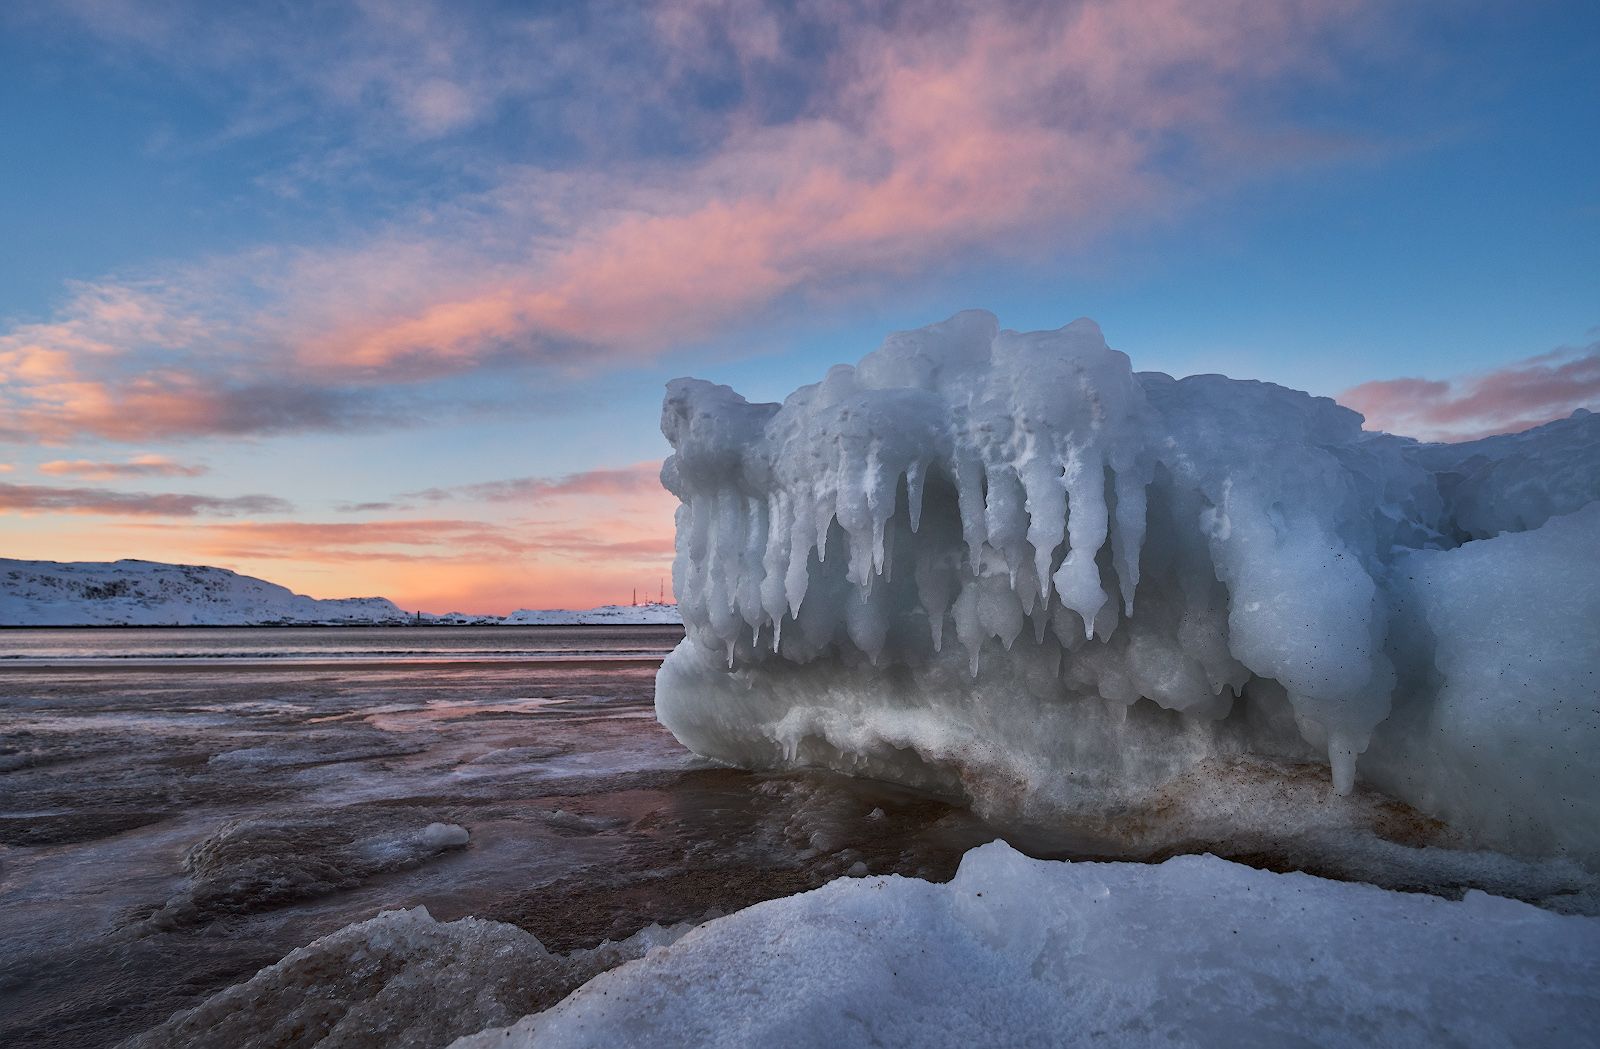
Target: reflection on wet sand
[164, 837]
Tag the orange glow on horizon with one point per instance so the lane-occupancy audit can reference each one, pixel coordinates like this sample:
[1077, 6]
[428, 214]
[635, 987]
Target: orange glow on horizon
[587, 540]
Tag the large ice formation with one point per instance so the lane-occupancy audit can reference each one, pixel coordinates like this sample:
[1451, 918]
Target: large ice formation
[1006, 565]
[1196, 951]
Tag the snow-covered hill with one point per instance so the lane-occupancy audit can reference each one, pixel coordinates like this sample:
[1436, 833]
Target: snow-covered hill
[650, 613]
[149, 593]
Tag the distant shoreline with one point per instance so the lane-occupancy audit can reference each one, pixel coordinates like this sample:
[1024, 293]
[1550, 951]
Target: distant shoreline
[224, 665]
[337, 626]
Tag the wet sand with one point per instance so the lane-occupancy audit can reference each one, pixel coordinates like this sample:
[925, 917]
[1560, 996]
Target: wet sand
[164, 835]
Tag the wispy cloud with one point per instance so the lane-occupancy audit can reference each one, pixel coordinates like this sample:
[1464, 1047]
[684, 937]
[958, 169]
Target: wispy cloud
[137, 466]
[415, 69]
[34, 498]
[1505, 400]
[753, 153]
[441, 540]
[154, 361]
[376, 507]
[639, 478]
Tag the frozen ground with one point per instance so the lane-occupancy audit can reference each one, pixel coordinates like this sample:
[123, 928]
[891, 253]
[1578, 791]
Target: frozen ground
[165, 835]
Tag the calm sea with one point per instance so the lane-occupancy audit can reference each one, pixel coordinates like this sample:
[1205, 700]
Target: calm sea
[181, 807]
[299, 645]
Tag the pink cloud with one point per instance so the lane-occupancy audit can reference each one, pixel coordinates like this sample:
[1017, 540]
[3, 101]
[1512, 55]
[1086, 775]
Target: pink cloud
[639, 479]
[137, 466]
[939, 138]
[1006, 128]
[40, 499]
[1505, 400]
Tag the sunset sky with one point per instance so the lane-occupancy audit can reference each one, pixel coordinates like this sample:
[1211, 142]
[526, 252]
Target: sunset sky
[379, 297]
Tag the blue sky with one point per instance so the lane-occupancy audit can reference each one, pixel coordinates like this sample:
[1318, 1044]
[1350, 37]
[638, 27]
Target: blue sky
[338, 253]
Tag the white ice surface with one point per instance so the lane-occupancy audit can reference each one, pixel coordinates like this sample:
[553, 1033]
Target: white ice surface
[1005, 564]
[1194, 952]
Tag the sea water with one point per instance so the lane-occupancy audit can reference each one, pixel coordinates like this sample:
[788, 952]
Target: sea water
[180, 807]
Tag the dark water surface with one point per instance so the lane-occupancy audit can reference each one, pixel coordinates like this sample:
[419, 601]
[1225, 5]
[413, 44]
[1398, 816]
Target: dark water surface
[424, 644]
[165, 834]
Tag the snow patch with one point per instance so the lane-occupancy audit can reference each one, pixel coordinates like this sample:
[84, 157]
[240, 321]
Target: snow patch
[149, 593]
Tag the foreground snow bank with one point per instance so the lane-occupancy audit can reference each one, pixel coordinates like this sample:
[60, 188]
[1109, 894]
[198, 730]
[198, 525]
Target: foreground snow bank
[149, 593]
[1005, 565]
[1195, 952]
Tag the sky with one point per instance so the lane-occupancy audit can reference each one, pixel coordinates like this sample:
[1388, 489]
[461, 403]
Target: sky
[380, 297]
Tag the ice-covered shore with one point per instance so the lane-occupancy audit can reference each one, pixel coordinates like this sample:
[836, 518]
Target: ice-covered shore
[1196, 952]
[1006, 565]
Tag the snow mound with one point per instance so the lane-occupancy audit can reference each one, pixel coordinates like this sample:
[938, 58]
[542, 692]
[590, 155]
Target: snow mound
[398, 981]
[651, 614]
[149, 593]
[1007, 566]
[1196, 951]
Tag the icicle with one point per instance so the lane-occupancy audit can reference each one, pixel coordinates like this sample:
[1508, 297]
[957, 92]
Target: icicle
[775, 560]
[1046, 502]
[798, 578]
[1343, 749]
[933, 590]
[1127, 539]
[1078, 579]
[914, 478]
[969, 499]
[1004, 514]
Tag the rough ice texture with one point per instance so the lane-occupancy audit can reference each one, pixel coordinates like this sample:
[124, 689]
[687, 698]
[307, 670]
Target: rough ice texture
[1007, 565]
[149, 593]
[1196, 951]
[398, 981]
